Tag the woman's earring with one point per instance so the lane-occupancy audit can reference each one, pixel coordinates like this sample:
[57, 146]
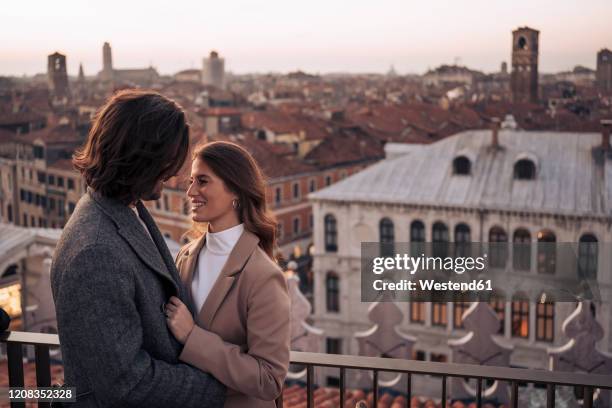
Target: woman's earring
[235, 203]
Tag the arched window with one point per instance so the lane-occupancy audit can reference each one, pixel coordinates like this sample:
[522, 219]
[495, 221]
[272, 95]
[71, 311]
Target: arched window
[498, 248]
[462, 240]
[545, 320]
[9, 213]
[439, 239]
[520, 316]
[498, 304]
[462, 165]
[547, 252]
[417, 237]
[387, 237]
[331, 233]
[524, 169]
[521, 255]
[332, 292]
[587, 257]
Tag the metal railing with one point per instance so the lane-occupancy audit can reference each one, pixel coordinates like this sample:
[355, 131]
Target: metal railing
[589, 382]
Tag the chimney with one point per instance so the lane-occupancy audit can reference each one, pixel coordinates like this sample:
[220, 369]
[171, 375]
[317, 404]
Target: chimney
[495, 132]
[606, 124]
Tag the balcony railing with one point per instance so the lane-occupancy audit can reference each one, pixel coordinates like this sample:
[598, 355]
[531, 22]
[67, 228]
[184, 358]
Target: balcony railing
[551, 379]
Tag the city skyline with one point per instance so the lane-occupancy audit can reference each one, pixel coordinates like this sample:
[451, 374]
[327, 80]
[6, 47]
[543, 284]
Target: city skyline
[276, 37]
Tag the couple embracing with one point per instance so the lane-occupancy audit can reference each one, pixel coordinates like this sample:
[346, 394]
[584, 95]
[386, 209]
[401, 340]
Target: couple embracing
[139, 329]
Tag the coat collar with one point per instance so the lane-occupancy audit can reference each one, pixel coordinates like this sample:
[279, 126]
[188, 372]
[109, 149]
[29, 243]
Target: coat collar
[237, 259]
[154, 253]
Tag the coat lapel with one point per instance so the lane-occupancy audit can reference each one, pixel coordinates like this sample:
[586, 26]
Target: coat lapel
[133, 232]
[187, 266]
[238, 257]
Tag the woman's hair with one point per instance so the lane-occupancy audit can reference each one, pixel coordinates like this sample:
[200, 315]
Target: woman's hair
[243, 177]
[137, 139]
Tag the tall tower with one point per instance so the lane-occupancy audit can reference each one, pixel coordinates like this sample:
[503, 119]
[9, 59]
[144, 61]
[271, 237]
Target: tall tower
[524, 76]
[107, 62]
[57, 77]
[604, 70]
[213, 70]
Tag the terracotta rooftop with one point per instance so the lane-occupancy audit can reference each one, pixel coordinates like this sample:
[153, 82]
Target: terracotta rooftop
[54, 134]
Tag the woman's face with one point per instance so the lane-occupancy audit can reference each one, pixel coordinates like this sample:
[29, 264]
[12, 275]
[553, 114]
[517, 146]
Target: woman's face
[210, 199]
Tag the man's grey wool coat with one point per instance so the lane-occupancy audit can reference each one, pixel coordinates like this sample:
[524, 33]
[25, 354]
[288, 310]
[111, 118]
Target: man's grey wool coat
[110, 281]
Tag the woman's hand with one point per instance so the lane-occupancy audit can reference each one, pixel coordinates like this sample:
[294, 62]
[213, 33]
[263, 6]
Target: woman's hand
[179, 319]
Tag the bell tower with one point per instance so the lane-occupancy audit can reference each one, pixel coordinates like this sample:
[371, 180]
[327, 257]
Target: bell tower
[524, 76]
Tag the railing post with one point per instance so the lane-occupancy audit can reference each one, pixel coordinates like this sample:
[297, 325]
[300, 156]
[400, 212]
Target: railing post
[479, 393]
[514, 395]
[443, 403]
[550, 395]
[375, 389]
[15, 369]
[43, 369]
[409, 388]
[587, 398]
[342, 386]
[309, 386]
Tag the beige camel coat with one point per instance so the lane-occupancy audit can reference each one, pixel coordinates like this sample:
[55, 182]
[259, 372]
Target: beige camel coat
[242, 333]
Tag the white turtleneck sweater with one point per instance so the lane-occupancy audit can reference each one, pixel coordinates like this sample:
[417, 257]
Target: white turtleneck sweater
[211, 260]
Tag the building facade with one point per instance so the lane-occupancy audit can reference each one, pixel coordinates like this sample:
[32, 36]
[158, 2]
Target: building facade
[509, 186]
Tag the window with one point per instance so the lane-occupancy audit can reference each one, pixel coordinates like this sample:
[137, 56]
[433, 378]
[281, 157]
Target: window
[438, 313]
[439, 358]
[296, 191]
[520, 316]
[461, 166]
[22, 195]
[459, 307]
[387, 237]
[332, 290]
[9, 212]
[32, 221]
[296, 226]
[25, 220]
[42, 177]
[278, 196]
[498, 304]
[313, 185]
[61, 211]
[545, 321]
[524, 169]
[498, 250]
[71, 207]
[417, 312]
[417, 237]
[439, 239]
[587, 257]
[39, 152]
[51, 179]
[547, 252]
[166, 203]
[521, 255]
[328, 180]
[333, 345]
[70, 184]
[331, 234]
[60, 181]
[279, 230]
[157, 205]
[51, 204]
[310, 221]
[462, 240]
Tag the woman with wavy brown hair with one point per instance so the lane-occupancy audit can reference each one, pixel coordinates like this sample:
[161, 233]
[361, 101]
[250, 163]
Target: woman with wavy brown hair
[236, 321]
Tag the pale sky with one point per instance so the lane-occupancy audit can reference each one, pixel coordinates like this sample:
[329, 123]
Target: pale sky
[285, 35]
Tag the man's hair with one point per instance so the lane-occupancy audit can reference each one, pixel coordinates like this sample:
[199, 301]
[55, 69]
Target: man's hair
[137, 139]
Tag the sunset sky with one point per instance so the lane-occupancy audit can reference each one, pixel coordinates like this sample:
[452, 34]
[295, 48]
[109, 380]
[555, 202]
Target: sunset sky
[315, 36]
